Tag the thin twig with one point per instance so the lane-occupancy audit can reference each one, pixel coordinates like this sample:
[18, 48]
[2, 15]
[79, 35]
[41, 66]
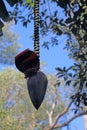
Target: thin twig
[65, 123]
[50, 114]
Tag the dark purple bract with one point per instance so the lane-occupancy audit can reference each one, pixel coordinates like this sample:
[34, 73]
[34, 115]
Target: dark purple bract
[37, 85]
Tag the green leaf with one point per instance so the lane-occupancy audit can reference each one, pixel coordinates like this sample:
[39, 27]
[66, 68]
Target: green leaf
[30, 2]
[68, 82]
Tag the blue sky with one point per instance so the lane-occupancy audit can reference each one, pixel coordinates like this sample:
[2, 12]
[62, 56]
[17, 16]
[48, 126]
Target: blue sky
[54, 57]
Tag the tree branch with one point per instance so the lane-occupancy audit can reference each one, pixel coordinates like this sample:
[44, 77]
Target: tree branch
[71, 119]
[51, 112]
[63, 112]
[49, 127]
[55, 125]
[67, 122]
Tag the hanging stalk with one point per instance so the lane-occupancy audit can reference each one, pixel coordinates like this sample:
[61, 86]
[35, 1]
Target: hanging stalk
[36, 29]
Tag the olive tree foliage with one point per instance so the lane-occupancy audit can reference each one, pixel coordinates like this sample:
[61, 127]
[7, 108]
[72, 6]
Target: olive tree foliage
[9, 46]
